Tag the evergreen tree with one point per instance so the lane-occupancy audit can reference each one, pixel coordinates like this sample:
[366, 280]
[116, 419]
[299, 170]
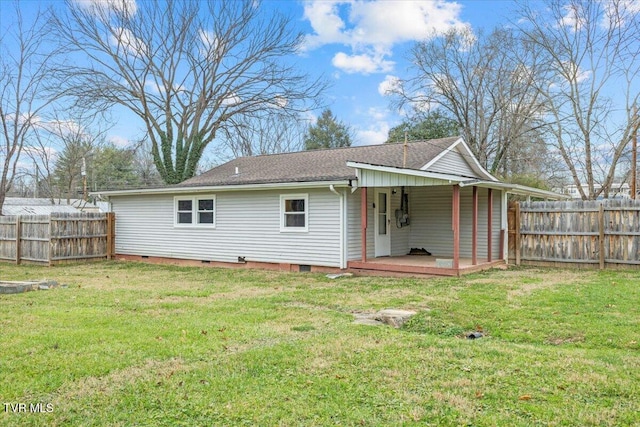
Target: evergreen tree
[432, 126]
[114, 168]
[328, 132]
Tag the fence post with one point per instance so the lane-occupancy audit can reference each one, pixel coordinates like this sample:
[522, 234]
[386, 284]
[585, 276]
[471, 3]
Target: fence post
[18, 232]
[50, 241]
[601, 235]
[110, 234]
[516, 221]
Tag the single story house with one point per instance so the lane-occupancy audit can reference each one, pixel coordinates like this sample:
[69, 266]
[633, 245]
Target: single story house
[426, 207]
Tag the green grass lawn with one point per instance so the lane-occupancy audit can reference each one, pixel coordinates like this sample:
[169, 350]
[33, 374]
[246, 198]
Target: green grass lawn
[137, 344]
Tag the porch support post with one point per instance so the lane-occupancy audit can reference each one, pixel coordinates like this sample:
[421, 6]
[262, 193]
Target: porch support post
[474, 228]
[455, 223]
[363, 222]
[489, 226]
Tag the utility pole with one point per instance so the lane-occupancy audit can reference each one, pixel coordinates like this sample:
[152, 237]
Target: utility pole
[35, 187]
[83, 172]
[404, 149]
[634, 154]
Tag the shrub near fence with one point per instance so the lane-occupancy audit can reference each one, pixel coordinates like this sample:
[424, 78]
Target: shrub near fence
[55, 238]
[601, 233]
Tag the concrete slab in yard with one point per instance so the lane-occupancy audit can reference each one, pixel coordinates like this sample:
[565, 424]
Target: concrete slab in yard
[7, 287]
[391, 317]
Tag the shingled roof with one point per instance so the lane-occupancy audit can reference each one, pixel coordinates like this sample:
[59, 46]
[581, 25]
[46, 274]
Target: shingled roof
[318, 165]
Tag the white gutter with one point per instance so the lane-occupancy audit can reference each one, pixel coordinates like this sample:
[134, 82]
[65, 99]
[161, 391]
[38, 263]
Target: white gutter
[343, 261]
[516, 189]
[219, 188]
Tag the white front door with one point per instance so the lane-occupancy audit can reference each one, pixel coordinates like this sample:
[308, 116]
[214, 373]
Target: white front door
[383, 223]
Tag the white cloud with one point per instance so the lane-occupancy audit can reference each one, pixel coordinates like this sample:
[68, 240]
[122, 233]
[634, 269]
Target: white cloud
[23, 119]
[126, 40]
[377, 131]
[372, 28]
[309, 117]
[211, 48]
[378, 114]
[152, 86]
[96, 7]
[576, 74]
[231, 100]
[573, 17]
[619, 13]
[328, 25]
[373, 135]
[41, 152]
[364, 64]
[60, 128]
[280, 101]
[389, 86]
[119, 141]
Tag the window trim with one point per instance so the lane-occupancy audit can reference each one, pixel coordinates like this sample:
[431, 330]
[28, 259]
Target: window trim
[195, 211]
[283, 199]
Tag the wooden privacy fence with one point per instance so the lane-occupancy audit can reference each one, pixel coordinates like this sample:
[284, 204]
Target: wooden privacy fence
[598, 233]
[55, 238]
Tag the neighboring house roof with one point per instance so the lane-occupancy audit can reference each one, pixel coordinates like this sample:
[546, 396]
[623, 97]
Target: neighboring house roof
[33, 206]
[325, 165]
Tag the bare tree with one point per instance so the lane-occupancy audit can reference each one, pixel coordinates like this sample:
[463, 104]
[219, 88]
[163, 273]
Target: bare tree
[591, 49]
[184, 68]
[485, 82]
[24, 91]
[270, 134]
[143, 164]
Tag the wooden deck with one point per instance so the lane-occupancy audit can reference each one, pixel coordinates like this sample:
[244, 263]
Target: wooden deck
[421, 264]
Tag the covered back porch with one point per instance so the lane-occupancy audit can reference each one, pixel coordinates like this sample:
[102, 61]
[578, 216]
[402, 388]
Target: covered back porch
[437, 229]
[419, 222]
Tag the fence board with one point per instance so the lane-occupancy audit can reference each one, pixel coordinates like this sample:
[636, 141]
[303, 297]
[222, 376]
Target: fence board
[589, 232]
[58, 237]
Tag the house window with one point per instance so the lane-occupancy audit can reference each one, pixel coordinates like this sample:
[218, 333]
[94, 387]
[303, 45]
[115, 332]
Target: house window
[294, 212]
[205, 211]
[195, 211]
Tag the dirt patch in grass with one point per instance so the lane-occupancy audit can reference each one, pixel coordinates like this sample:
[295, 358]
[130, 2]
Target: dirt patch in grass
[461, 404]
[113, 382]
[564, 340]
[523, 282]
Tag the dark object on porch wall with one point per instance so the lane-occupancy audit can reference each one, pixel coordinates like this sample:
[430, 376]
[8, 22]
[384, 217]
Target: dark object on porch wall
[419, 251]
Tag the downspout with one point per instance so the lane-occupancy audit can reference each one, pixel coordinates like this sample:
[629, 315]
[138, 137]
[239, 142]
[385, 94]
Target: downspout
[343, 264]
[505, 227]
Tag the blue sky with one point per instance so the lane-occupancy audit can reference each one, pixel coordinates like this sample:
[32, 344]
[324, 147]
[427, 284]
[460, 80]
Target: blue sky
[359, 46]
[362, 45]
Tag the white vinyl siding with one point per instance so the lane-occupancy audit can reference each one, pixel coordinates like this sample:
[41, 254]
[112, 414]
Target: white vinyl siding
[371, 224]
[431, 221]
[453, 162]
[399, 236]
[354, 227]
[496, 224]
[247, 225]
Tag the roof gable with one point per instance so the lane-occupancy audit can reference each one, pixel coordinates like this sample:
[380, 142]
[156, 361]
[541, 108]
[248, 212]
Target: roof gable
[458, 159]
